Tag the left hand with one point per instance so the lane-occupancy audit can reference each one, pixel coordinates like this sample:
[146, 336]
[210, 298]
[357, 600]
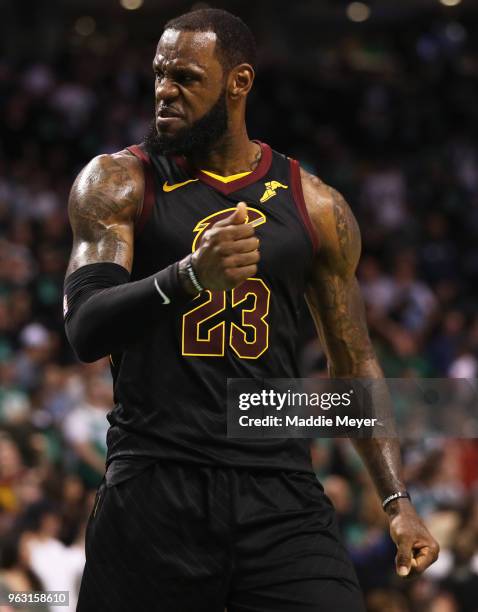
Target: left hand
[416, 547]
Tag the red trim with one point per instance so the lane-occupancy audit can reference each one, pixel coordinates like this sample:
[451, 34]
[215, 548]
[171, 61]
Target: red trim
[227, 188]
[149, 192]
[298, 196]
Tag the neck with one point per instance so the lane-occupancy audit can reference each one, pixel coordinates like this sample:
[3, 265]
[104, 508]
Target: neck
[232, 154]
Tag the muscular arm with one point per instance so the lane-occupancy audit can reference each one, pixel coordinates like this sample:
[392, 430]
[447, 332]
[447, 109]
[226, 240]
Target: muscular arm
[337, 308]
[103, 204]
[336, 305]
[104, 311]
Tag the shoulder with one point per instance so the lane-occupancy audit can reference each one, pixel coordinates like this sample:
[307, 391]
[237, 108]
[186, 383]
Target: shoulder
[337, 229]
[323, 202]
[109, 185]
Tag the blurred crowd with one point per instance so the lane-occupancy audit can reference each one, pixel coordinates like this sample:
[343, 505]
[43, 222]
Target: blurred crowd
[389, 118]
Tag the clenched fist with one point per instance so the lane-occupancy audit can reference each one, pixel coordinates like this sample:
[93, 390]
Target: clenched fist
[417, 549]
[228, 253]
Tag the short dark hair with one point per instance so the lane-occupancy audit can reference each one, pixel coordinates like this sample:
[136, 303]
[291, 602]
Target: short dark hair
[235, 42]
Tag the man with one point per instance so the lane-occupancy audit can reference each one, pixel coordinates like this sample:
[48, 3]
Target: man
[191, 257]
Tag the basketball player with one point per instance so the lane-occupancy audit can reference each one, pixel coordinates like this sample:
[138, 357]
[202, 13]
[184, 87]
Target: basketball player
[191, 256]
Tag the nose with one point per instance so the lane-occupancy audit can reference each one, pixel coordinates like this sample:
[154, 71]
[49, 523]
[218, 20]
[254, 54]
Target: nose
[165, 90]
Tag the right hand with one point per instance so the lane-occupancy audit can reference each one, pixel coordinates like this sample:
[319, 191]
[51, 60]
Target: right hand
[228, 253]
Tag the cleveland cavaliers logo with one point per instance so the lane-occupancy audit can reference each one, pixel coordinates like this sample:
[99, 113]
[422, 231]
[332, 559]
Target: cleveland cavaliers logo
[254, 217]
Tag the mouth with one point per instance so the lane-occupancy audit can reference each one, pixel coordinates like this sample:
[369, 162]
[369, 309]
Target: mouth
[168, 113]
[168, 118]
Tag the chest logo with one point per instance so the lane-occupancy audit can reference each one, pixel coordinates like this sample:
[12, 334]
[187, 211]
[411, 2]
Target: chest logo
[254, 217]
[168, 188]
[271, 190]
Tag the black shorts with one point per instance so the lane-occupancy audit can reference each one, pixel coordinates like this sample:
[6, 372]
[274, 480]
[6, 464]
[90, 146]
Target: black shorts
[184, 538]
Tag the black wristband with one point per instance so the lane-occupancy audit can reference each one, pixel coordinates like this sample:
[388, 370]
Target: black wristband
[394, 496]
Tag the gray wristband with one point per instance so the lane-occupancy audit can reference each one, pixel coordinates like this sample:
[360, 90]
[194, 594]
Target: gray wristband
[192, 275]
[394, 496]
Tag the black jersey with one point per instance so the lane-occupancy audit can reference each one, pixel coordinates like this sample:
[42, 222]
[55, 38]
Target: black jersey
[170, 386]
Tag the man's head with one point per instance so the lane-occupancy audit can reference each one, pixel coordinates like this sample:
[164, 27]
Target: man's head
[204, 69]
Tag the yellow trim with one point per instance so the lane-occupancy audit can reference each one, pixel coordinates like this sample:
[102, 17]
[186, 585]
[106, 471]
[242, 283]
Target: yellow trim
[226, 179]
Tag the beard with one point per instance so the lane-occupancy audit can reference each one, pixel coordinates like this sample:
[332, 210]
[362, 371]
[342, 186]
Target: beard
[193, 141]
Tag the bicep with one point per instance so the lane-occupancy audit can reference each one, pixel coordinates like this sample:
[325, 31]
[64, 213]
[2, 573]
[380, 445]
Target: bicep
[102, 207]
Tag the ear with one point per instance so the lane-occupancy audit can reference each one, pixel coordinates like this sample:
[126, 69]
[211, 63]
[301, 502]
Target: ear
[240, 80]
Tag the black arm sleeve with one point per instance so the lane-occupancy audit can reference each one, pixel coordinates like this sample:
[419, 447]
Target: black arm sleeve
[104, 312]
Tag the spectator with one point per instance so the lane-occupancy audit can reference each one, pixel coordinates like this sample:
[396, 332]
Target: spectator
[59, 567]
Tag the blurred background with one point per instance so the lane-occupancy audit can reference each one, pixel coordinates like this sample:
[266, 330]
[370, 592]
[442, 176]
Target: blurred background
[380, 99]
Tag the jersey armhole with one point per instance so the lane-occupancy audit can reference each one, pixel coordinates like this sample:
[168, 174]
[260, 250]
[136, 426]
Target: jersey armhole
[148, 196]
[298, 197]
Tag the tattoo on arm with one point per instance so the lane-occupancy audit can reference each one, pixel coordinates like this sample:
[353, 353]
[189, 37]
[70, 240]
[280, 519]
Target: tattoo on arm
[102, 207]
[338, 312]
[337, 307]
[346, 227]
[334, 295]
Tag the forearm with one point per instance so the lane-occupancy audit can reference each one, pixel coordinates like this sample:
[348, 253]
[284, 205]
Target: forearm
[381, 456]
[382, 459]
[105, 312]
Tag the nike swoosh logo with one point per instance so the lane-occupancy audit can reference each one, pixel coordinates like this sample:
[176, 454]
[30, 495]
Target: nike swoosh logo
[167, 187]
[166, 300]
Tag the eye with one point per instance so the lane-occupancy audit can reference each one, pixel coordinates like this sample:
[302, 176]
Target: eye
[184, 78]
